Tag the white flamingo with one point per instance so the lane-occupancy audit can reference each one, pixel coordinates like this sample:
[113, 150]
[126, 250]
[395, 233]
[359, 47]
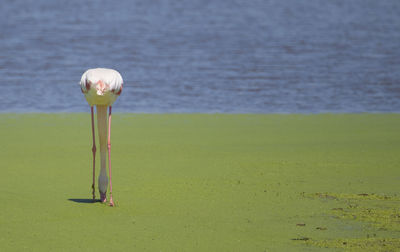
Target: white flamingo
[101, 87]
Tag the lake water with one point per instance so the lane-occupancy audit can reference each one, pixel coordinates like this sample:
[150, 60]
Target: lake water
[231, 56]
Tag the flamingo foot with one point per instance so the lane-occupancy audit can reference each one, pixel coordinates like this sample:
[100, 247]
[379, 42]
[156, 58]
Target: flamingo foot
[103, 197]
[111, 201]
[94, 195]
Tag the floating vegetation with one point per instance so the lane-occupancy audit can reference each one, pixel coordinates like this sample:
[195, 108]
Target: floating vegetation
[363, 244]
[380, 212]
[383, 218]
[344, 196]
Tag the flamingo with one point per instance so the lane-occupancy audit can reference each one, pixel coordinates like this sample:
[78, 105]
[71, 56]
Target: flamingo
[101, 87]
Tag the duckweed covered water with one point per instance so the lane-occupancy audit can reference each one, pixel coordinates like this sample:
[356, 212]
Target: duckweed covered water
[193, 182]
[378, 212]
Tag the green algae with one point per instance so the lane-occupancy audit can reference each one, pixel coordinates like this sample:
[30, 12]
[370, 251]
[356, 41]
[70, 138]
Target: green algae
[379, 212]
[360, 196]
[196, 182]
[382, 211]
[366, 244]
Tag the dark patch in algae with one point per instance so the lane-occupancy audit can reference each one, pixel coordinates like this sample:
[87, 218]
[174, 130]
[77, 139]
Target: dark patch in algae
[301, 239]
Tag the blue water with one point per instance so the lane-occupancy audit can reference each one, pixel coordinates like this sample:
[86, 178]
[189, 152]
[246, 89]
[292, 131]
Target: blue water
[231, 56]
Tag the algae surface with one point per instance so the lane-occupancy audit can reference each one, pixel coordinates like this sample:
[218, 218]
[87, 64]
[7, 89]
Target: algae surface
[193, 182]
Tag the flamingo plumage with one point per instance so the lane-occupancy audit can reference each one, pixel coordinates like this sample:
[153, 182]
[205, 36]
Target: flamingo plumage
[101, 87]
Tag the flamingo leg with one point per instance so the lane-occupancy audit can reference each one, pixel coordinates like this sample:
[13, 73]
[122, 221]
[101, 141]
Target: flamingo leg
[94, 154]
[102, 130]
[109, 155]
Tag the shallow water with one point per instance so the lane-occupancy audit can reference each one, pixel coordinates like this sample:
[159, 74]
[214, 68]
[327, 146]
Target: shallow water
[277, 56]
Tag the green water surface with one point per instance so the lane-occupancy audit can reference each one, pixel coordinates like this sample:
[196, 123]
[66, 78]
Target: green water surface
[193, 182]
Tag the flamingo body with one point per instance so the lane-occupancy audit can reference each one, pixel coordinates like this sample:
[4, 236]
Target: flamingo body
[101, 87]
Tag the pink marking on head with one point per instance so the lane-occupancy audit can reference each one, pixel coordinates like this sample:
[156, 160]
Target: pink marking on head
[102, 87]
[100, 83]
